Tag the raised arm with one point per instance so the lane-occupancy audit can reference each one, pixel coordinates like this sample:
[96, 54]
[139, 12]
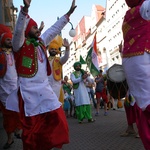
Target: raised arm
[64, 59]
[72, 8]
[19, 33]
[55, 29]
[26, 5]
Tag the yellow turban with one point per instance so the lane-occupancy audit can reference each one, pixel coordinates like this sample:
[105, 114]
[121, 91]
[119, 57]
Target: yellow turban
[56, 43]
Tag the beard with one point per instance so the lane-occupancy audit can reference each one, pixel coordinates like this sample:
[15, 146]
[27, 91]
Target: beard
[52, 53]
[77, 69]
[33, 35]
[8, 45]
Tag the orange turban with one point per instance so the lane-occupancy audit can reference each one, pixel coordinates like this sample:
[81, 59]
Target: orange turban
[133, 3]
[56, 43]
[5, 33]
[30, 24]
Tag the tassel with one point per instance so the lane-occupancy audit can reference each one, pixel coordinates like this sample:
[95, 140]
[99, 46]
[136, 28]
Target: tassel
[127, 101]
[119, 103]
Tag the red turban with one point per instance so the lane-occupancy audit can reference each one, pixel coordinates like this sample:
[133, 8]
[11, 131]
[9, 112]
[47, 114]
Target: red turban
[133, 3]
[31, 23]
[5, 33]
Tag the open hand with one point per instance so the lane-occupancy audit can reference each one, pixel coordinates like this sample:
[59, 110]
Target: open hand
[41, 26]
[27, 3]
[66, 44]
[72, 8]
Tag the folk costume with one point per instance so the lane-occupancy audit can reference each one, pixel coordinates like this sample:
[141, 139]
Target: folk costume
[133, 112]
[136, 61]
[56, 64]
[8, 82]
[82, 100]
[43, 119]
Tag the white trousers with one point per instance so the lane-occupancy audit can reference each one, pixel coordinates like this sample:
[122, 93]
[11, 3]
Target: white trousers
[137, 72]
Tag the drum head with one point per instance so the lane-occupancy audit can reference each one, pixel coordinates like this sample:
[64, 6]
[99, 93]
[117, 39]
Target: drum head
[115, 73]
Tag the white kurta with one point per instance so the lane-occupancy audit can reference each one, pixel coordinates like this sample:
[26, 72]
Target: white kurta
[137, 69]
[9, 82]
[81, 94]
[56, 85]
[36, 92]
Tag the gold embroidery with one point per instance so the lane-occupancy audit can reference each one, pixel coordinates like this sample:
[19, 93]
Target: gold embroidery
[132, 10]
[147, 50]
[131, 41]
[126, 27]
[7, 50]
[136, 53]
[50, 58]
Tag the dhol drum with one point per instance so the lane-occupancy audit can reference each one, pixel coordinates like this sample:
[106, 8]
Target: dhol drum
[116, 82]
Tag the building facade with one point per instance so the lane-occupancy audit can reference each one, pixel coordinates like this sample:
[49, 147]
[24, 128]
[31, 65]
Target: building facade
[106, 23]
[8, 13]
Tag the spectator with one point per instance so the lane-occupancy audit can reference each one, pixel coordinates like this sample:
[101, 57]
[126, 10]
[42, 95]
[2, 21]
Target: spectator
[90, 84]
[68, 87]
[66, 103]
[101, 92]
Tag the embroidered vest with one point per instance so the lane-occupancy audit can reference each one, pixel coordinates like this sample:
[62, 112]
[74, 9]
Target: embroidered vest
[57, 69]
[76, 85]
[27, 61]
[3, 64]
[136, 33]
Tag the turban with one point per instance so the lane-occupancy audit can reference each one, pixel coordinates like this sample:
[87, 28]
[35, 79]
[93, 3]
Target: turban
[133, 3]
[76, 64]
[56, 43]
[5, 33]
[30, 24]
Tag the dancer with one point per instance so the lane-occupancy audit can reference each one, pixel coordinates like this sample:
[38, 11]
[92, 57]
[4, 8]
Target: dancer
[136, 61]
[42, 116]
[8, 83]
[56, 63]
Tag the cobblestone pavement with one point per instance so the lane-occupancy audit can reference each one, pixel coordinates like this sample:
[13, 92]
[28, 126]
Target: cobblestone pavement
[103, 134]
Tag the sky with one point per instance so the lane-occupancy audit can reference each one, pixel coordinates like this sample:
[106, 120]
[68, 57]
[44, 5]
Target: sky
[48, 11]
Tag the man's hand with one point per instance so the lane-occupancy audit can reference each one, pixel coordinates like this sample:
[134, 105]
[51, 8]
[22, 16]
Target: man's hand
[84, 76]
[41, 26]
[27, 3]
[66, 44]
[72, 8]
